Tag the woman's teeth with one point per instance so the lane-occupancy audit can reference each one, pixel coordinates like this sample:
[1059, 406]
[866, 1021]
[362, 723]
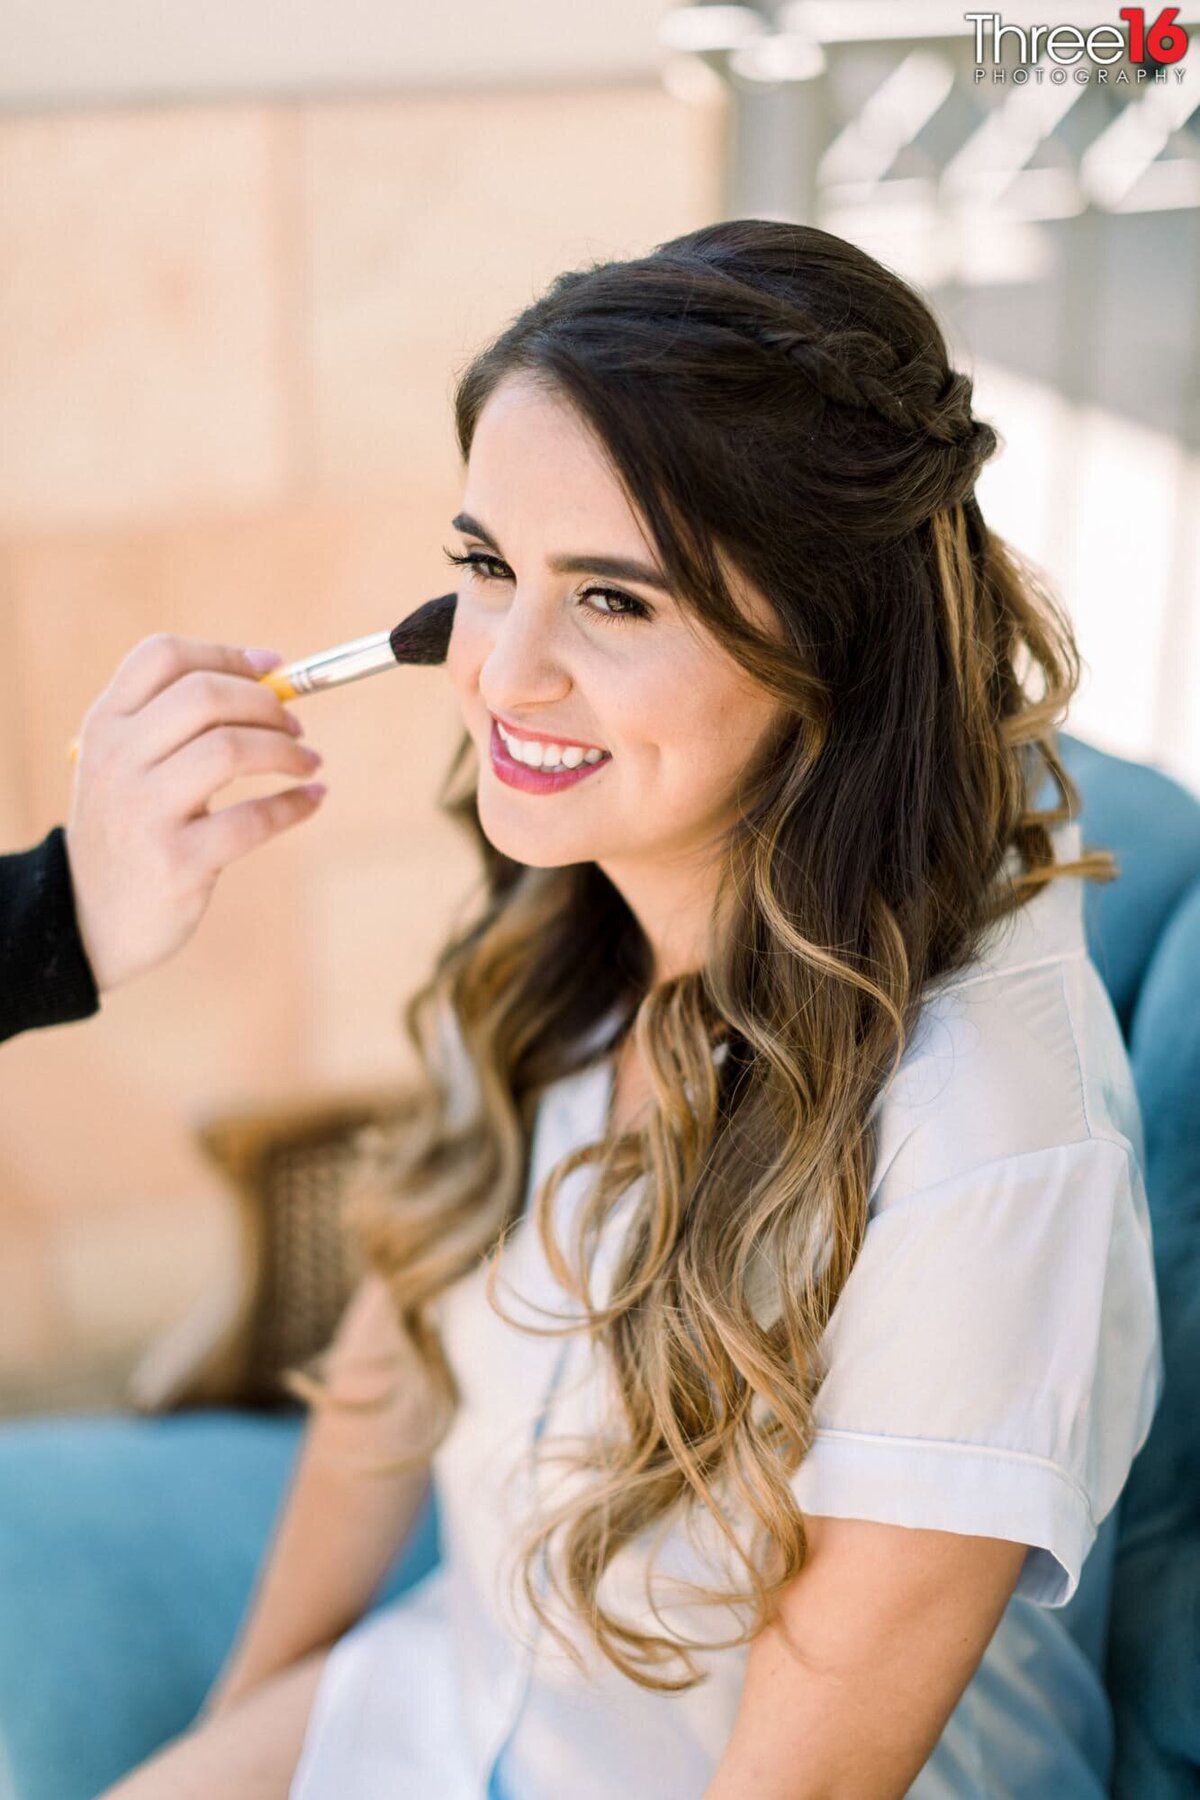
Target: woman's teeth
[536, 755]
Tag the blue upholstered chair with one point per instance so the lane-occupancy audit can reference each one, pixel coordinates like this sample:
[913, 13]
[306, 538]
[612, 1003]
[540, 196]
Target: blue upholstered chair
[128, 1546]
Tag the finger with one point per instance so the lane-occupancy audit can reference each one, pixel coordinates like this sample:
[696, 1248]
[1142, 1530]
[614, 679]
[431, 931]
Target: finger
[195, 773]
[221, 837]
[199, 701]
[161, 659]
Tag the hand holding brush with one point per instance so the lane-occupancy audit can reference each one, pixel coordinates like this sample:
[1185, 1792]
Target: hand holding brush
[180, 719]
[422, 637]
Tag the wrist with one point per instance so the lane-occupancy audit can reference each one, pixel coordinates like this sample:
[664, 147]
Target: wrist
[85, 929]
[82, 925]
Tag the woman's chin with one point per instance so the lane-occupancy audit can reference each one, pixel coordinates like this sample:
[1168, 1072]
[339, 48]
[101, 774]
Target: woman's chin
[525, 843]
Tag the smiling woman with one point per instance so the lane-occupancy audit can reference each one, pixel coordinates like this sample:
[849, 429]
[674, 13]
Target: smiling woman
[772, 1246]
[677, 719]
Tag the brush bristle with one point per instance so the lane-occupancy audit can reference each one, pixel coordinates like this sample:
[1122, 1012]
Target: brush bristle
[424, 636]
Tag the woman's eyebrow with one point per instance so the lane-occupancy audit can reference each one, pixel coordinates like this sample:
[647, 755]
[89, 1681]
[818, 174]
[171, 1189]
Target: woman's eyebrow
[618, 568]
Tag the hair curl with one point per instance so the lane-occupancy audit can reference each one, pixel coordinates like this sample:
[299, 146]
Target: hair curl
[769, 392]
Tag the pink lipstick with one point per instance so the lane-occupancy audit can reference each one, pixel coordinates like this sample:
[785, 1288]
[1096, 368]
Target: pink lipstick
[536, 781]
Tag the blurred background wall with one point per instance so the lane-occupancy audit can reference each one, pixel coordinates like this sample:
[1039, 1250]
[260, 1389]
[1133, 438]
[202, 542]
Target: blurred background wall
[228, 332]
[244, 250]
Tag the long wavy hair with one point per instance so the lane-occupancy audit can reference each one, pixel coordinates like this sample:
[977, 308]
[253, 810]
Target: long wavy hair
[769, 393]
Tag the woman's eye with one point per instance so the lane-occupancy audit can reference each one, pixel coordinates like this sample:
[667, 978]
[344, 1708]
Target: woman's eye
[485, 566]
[624, 600]
[476, 559]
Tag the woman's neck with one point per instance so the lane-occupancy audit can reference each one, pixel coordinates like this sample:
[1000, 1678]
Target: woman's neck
[630, 1089]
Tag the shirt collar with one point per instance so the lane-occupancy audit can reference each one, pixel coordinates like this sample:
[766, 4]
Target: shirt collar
[1045, 929]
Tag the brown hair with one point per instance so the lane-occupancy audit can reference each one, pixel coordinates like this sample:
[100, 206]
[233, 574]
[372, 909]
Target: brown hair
[770, 392]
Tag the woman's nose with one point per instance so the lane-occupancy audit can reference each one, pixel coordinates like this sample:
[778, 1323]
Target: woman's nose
[523, 663]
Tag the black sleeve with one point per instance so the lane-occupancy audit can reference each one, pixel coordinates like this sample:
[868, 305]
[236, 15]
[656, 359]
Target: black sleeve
[45, 976]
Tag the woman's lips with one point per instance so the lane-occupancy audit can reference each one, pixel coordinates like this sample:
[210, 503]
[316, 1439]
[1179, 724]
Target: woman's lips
[535, 781]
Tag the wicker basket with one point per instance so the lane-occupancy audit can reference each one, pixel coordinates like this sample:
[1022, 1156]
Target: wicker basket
[297, 1266]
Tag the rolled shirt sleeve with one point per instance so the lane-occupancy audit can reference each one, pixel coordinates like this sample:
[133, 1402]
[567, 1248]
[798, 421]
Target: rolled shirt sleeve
[995, 1359]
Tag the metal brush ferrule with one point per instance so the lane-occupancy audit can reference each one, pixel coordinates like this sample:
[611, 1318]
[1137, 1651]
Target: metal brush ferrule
[346, 662]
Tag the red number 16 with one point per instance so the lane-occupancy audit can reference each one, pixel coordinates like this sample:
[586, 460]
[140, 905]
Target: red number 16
[1165, 40]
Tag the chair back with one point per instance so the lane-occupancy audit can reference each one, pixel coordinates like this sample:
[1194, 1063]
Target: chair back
[1138, 1614]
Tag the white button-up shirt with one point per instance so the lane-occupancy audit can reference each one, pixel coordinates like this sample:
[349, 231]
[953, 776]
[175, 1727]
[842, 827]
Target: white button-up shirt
[994, 1365]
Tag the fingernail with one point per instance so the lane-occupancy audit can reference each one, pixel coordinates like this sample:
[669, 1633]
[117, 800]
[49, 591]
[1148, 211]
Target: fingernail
[316, 790]
[262, 660]
[294, 725]
[314, 756]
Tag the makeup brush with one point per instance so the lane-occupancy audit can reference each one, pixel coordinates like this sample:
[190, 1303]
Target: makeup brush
[422, 637]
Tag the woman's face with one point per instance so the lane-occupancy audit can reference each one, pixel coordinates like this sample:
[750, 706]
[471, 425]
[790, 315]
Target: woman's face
[605, 659]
